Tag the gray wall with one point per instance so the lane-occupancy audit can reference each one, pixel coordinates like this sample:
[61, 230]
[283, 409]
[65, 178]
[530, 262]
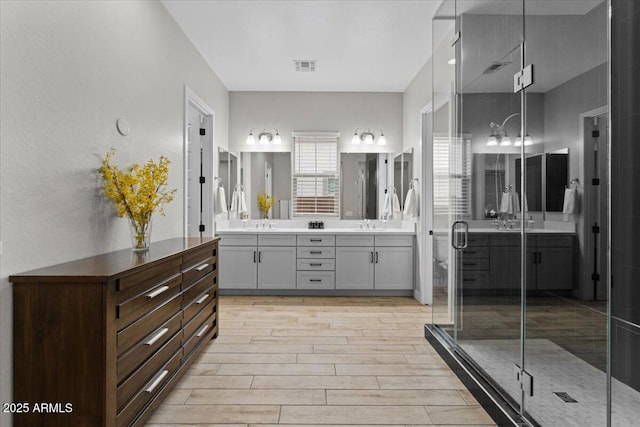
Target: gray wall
[316, 111]
[67, 71]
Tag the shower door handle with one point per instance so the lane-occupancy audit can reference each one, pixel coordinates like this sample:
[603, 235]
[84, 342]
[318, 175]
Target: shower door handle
[457, 225]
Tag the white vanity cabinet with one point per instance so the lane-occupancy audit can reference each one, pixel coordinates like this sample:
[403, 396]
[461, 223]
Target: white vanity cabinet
[393, 262]
[354, 262]
[238, 261]
[276, 267]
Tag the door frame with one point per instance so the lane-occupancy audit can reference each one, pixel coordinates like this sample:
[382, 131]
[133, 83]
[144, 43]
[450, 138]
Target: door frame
[193, 100]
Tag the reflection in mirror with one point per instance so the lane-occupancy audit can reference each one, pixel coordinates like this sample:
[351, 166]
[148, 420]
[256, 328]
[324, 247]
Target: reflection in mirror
[227, 179]
[397, 176]
[533, 182]
[557, 177]
[359, 178]
[270, 172]
[407, 175]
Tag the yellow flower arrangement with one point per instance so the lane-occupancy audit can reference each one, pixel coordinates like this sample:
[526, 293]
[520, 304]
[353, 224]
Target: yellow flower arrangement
[137, 193]
[264, 203]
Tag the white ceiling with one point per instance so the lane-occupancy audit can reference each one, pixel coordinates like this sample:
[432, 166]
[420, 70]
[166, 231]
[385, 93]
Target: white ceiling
[372, 46]
[360, 45]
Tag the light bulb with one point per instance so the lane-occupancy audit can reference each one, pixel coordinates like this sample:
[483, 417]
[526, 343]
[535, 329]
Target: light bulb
[277, 140]
[527, 140]
[506, 141]
[264, 140]
[251, 140]
[492, 141]
[368, 139]
[518, 142]
[382, 140]
[356, 139]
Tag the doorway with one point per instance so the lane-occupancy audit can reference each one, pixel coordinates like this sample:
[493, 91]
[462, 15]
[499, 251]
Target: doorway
[198, 166]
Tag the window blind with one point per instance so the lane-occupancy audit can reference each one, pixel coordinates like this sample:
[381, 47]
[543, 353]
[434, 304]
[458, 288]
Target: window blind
[451, 176]
[316, 178]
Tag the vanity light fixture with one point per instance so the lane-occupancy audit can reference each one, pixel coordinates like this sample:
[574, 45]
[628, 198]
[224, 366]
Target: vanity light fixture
[499, 135]
[367, 137]
[264, 138]
[527, 141]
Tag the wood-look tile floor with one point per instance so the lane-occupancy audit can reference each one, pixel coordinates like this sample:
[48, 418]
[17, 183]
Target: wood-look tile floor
[317, 361]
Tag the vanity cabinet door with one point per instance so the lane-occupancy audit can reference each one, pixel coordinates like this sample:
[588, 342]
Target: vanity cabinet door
[238, 267]
[555, 268]
[394, 268]
[354, 267]
[276, 267]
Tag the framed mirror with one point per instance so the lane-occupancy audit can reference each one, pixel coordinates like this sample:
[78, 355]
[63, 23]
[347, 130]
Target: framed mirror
[556, 179]
[268, 172]
[227, 179]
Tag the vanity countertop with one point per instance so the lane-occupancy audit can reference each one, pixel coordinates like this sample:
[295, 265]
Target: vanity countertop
[341, 231]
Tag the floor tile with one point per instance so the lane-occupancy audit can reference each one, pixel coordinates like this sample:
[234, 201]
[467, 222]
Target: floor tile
[458, 415]
[354, 415]
[219, 414]
[394, 397]
[316, 382]
[276, 369]
[257, 397]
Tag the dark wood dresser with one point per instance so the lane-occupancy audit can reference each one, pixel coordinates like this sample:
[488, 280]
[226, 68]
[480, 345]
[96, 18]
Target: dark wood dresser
[101, 341]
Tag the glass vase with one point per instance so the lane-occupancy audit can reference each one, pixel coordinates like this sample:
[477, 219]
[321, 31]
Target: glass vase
[140, 235]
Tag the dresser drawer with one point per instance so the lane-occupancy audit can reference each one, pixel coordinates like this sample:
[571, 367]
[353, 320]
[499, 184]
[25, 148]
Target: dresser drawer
[316, 264]
[394, 240]
[145, 280]
[145, 373]
[139, 305]
[319, 240]
[321, 252]
[197, 257]
[198, 303]
[149, 390]
[133, 358]
[475, 264]
[201, 332]
[238, 239]
[135, 332]
[359, 240]
[316, 280]
[198, 271]
[276, 239]
[198, 320]
[197, 288]
[475, 280]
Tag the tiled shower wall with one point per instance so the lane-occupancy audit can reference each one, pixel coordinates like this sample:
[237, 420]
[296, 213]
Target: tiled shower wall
[625, 196]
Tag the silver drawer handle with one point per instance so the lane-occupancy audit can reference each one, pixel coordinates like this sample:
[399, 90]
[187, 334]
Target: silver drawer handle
[157, 291]
[156, 381]
[315, 240]
[157, 336]
[315, 252]
[315, 264]
[202, 267]
[202, 331]
[202, 299]
[315, 280]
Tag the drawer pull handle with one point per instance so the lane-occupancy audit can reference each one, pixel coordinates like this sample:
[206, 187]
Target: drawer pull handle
[202, 299]
[376, 257]
[468, 280]
[202, 267]
[315, 280]
[469, 252]
[156, 381]
[315, 240]
[157, 291]
[470, 264]
[315, 264]
[157, 336]
[202, 331]
[371, 257]
[315, 252]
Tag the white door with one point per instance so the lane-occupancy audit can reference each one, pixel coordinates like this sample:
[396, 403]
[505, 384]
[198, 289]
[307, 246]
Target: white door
[238, 267]
[277, 267]
[354, 267]
[394, 268]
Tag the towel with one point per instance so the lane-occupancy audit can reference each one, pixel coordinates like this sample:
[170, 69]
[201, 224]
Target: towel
[386, 206]
[242, 203]
[238, 204]
[220, 202]
[395, 206]
[411, 203]
[510, 204]
[569, 205]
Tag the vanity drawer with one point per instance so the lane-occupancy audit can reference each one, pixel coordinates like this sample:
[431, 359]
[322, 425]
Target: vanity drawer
[137, 331]
[145, 373]
[238, 239]
[276, 240]
[198, 271]
[133, 309]
[475, 280]
[475, 239]
[360, 240]
[316, 264]
[322, 252]
[153, 341]
[147, 279]
[319, 240]
[475, 264]
[149, 390]
[554, 241]
[512, 239]
[394, 240]
[316, 280]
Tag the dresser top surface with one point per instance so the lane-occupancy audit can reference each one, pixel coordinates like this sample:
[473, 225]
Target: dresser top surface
[111, 265]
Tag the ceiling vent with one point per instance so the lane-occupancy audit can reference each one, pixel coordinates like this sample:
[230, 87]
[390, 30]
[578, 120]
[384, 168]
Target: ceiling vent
[495, 66]
[305, 65]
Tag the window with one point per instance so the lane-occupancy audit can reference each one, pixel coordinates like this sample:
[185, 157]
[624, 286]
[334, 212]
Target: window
[316, 177]
[451, 176]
